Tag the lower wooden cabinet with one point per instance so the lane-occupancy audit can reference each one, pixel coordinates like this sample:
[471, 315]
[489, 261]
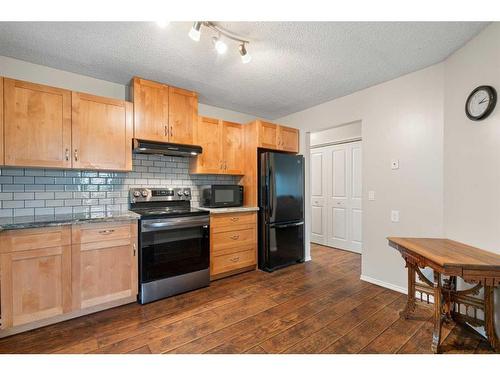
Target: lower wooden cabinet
[56, 273]
[233, 243]
[104, 263]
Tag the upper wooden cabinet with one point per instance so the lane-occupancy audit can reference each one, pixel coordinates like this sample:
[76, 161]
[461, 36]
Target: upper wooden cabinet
[101, 133]
[150, 110]
[278, 137]
[163, 113]
[37, 126]
[222, 144]
[182, 115]
[1, 122]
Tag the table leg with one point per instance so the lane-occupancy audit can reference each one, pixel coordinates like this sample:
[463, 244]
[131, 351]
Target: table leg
[438, 316]
[410, 302]
[489, 318]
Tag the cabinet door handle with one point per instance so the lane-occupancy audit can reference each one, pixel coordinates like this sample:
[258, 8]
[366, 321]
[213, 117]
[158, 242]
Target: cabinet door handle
[106, 231]
[67, 154]
[166, 130]
[235, 259]
[134, 247]
[235, 218]
[76, 154]
[235, 236]
[171, 131]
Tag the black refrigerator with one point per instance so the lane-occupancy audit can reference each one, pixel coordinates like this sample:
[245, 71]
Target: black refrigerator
[281, 214]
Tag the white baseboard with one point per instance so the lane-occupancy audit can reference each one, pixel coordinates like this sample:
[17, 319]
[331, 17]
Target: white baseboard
[384, 284]
[307, 259]
[390, 286]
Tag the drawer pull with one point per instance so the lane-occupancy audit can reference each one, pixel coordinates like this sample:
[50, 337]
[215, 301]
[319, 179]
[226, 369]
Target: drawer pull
[235, 259]
[235, 236]
[107, 231]
[235, 218]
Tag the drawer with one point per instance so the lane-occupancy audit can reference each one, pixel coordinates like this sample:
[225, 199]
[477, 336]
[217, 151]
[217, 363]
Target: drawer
[35, 238]
[85, 233]
[236, 238]
[233, 261]
[219, 220]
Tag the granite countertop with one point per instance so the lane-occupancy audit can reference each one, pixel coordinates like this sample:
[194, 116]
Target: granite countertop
[23, 222]
[224, 210]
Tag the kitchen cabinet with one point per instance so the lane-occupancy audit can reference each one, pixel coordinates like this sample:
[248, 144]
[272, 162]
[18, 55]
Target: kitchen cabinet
[182, 115]
[150, 110]
[278, 137]
[52, 274]
[1, 122]
[104, 263]
[101, 133]
[163, 113]
[35, 267]
[233, 243]
[37, 125]
[222, 143]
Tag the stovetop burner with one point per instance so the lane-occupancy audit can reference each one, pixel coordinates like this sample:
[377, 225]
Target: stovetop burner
[167, 202]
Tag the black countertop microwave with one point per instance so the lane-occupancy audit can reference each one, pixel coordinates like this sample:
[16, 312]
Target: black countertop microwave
[214, 196]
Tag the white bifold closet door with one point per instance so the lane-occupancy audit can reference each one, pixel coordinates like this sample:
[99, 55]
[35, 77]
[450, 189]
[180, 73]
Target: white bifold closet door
[336, 190]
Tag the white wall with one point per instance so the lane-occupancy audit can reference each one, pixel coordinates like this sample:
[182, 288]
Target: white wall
[342, 133]
[472, 149]
[26, 71]
[402, 119]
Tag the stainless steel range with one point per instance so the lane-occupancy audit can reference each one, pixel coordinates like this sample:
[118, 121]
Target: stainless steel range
[174, 254]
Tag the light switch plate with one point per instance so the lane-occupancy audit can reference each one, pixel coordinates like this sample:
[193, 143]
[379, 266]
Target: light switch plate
[371, 195]
[395, 216]
[394, 164]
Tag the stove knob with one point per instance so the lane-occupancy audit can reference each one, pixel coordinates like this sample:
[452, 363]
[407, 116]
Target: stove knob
[186, 193]
[137, 193]
[144, 193]
[179, 193]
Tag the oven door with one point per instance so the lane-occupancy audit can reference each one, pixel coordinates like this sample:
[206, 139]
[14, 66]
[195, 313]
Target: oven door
[174, 246]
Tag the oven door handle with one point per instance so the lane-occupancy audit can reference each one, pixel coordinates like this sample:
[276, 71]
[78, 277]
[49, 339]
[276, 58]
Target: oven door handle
[173, 224]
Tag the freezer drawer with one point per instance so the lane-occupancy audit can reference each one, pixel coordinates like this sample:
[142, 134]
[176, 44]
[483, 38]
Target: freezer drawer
[282, 245]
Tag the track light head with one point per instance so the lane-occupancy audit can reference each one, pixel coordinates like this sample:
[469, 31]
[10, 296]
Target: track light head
[220, 46]
[245, 56]
[195, 33]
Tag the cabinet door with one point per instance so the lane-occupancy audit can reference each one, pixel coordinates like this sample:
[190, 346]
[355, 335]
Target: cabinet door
[232, 147]
[37, 128]
[268, 135]
[208, 136]
[150, 110]
[288, 139]
[36, 285]
[104, 270]
[101, 133]
[182, 115]
[1, 122]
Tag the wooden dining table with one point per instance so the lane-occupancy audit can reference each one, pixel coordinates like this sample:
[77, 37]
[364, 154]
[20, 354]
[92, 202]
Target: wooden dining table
[450, 260]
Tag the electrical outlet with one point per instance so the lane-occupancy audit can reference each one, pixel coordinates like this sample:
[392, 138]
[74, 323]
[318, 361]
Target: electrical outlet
[395, 216]
[394, 164]
[371, 195]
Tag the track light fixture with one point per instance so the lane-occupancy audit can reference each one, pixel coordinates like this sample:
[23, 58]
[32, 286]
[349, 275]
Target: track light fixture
[195, 33]
[219, 44]
[245, 56]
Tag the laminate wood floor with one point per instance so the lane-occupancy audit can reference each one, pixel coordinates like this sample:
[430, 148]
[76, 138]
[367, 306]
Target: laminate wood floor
[320, 306]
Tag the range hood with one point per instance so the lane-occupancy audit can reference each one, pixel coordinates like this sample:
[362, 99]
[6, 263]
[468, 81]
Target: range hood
[162, 148]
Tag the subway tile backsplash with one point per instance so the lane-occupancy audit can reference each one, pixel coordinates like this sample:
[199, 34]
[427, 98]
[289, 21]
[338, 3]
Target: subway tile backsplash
[26, 191]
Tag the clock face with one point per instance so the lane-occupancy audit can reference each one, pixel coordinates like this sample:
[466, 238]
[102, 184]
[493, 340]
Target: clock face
[480, 103]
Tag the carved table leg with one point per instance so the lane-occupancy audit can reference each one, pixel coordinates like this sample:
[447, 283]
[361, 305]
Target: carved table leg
[489, 318]
[438, 316]
[410, 302]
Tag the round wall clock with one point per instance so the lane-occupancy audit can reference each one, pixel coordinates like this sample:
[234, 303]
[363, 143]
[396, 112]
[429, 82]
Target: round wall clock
[480, 103]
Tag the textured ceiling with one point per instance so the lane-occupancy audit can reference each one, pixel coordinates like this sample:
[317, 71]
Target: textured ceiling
[295, 65]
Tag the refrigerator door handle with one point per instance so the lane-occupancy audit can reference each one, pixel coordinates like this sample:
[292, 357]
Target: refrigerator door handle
[288, 225]
[270, 195]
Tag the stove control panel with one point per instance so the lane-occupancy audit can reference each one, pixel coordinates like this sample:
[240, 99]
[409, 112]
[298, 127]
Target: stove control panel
[159, 194]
